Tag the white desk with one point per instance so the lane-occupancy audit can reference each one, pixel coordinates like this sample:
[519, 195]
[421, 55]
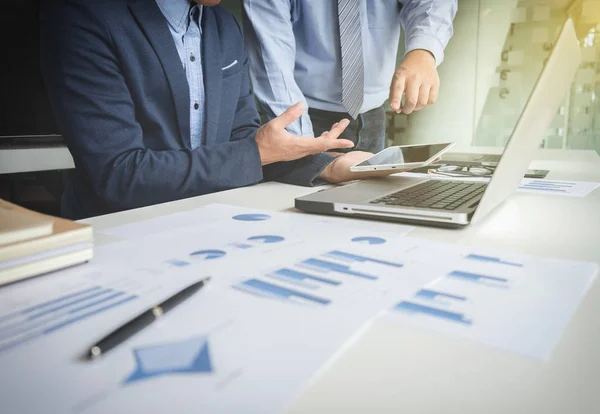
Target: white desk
[398, 369]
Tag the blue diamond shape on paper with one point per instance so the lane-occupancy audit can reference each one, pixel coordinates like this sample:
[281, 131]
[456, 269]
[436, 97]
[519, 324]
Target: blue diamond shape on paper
[190, 356]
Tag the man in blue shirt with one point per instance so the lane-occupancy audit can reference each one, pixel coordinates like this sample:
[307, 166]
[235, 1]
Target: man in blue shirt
[339, 57]
[153, 100]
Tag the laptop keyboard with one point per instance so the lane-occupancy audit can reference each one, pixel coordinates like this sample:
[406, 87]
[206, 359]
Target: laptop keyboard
[436, 194]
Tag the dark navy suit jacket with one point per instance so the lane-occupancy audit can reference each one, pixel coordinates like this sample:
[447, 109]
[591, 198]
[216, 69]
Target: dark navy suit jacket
[121, 100]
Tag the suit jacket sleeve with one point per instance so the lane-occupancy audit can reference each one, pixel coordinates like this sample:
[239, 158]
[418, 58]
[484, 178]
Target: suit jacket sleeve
[96, 115]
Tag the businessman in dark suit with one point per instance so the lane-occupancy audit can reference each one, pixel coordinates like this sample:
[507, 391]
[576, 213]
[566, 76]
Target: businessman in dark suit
[153, 100]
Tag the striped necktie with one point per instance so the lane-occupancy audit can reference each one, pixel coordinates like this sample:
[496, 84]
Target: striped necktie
[353, 71]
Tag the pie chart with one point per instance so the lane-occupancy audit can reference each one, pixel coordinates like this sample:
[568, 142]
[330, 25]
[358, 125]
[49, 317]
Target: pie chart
[267, 239]
[208, 254]
[369, 240]
[251, 217]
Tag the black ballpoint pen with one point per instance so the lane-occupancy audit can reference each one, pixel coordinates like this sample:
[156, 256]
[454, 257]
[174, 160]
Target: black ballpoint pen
[141, 321]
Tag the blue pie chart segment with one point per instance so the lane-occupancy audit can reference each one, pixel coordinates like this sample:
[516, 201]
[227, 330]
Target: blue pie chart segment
[252, 217]
[369, 240]
[267, 239]
[208, 254]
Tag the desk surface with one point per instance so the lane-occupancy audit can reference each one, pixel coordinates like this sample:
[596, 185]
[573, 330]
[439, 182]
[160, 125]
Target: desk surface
[392, 368]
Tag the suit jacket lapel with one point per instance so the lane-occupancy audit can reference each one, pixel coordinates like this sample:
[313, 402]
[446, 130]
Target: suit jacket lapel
[152, 22]
[211, 58]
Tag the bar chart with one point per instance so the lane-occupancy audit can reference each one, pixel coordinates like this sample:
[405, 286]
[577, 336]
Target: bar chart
[480, 279]
[55, 314]
[302, 278]
[417, 308]
[269, 290]
[488, 259]
[354, 258]
[548, 186]
[298, 282]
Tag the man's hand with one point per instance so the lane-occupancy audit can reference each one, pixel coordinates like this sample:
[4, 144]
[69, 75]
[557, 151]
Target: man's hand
[417, 77]
[338, 170]
[276, 144]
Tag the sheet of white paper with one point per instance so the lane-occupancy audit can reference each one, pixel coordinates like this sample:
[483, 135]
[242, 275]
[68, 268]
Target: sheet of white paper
[246, 340]
[286, 293]
[200, 217]
[561, 188]
[516, 303]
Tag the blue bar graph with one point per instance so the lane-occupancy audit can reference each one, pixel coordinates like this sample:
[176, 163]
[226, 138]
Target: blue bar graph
[433, 295]
[415, 308]
[551, 186]
[326, 267]
[300, 276]
[87, 315]
[541, 188]
[264, 289]
[47, 317]
[49, 303]
[488, 259]
[62, 306]
[544, 183]
[361, 259]
[474, 277]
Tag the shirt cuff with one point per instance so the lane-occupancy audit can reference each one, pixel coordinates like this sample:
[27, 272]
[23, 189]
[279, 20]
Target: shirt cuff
[426, 42]
[303, 172]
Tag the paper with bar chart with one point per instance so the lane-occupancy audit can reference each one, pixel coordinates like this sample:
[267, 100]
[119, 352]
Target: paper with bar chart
[280, 280]
[517, 304]
[560, 188]
[287, 292]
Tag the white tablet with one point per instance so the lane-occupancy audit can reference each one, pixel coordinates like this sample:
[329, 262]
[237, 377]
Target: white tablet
[403, 157]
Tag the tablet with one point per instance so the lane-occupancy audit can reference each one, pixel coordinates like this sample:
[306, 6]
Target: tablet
[403, 157]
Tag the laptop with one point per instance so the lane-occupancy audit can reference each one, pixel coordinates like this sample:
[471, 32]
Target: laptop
[455, 204]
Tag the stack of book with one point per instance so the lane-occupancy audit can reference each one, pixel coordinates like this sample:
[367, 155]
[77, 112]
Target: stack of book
[32, 244]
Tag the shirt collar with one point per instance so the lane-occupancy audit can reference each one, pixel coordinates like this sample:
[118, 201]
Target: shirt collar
[178, 12]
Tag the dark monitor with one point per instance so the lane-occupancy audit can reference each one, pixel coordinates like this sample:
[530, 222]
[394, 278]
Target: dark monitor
[24, 108]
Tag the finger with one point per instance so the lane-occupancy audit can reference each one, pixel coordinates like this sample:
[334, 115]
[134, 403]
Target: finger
[423, 97]
[396, 91]
[412, 97]
[433, 94]
[309, 145]
[292, 114]
[338, 143]
[336, 129]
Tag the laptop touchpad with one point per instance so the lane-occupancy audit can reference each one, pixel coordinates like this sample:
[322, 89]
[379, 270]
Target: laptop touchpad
[367, 190]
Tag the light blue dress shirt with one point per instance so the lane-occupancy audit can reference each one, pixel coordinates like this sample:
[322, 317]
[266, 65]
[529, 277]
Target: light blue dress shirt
[184, 23]
[294, 49]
